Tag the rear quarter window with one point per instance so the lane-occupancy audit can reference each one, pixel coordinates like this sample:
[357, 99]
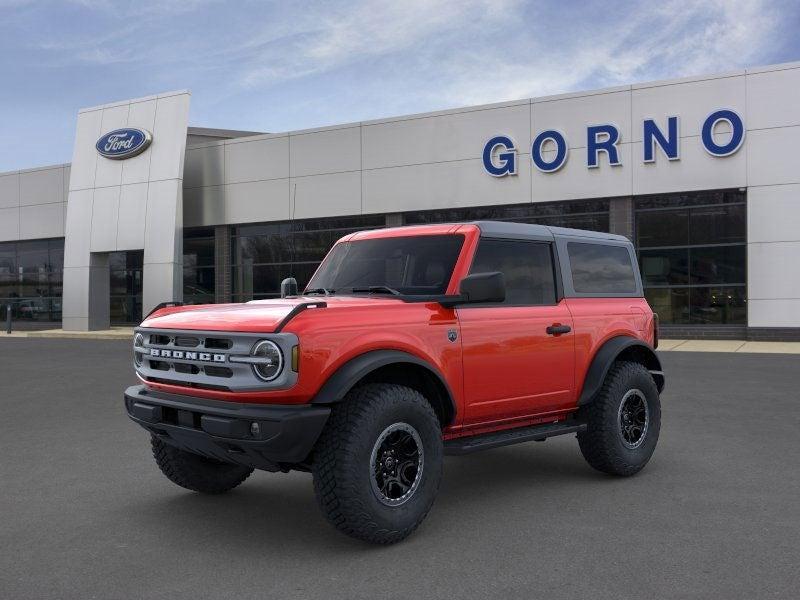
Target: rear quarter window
[601, 269]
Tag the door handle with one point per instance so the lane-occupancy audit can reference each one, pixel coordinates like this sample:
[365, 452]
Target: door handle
[556, 329]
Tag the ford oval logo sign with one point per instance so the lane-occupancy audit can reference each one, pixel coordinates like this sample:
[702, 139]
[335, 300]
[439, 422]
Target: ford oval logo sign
[123, 143]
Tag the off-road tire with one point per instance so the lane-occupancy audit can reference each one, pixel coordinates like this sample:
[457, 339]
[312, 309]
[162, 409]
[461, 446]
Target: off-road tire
[602, 444]
[342, 462]
[195, 472]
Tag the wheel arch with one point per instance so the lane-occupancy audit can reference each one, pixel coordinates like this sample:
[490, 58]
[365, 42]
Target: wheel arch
[615, 349]
[391, 366]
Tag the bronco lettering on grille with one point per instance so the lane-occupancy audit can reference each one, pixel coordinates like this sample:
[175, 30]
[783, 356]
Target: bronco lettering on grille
[182, 354]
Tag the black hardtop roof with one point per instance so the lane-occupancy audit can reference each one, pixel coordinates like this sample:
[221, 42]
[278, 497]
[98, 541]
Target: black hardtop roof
[533, 231]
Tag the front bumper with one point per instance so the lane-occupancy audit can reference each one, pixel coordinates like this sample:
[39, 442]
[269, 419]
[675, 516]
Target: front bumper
[225, 431]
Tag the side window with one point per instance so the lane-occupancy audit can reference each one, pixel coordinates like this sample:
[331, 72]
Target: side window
[526, 266]
[601, 269]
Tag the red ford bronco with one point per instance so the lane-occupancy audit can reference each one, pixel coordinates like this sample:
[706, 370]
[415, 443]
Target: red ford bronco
[407, 344]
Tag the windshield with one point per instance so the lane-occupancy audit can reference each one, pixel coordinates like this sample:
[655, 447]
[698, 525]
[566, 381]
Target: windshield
[409, 265]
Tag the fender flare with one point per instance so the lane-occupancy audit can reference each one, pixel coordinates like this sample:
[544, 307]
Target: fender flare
[350, 373]
[605, 357]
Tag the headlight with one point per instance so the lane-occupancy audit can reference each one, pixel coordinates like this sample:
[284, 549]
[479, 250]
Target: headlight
[270, 362]
[138, 349]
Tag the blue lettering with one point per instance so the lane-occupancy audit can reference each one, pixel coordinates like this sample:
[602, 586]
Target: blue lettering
[507, 158]
[561, 151]
[602, 138]
[652, 135]
[736, 140]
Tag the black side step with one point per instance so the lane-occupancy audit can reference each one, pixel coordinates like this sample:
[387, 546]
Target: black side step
[536, 433]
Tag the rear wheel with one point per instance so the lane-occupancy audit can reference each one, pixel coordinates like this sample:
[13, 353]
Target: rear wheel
[623, 421]
[195, 472]
[378, 463]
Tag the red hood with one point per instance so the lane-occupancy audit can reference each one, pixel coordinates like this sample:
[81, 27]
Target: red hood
[260, 316]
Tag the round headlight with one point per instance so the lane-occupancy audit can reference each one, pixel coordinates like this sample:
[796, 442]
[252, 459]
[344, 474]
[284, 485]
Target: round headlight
[138, 349]
[271, 363]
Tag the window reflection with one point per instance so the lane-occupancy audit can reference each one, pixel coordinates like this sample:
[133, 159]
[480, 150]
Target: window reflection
[31, 274]
[692, 255]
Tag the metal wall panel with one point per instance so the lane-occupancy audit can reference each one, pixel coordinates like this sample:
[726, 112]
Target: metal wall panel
[692, 100]
[141, 114]
[105, 217]
[571, 113]
[448, 137]
[9, 224]
[326, 195]
[131, 221]
[203, 206]
[258, 160]
[43, 186]
[257, 201]
[41, 221]
[205, 166]
[150, 184]
[325, 151]
[773, 156]
[9, 190]
[773, 98]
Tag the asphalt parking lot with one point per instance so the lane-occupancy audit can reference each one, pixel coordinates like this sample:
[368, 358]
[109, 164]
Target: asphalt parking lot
[716, 514]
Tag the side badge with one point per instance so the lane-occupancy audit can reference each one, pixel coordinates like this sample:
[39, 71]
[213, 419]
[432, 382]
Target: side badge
[452, 335]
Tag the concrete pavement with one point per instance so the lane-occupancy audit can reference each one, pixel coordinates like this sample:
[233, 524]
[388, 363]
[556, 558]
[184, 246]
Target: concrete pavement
[86, 513]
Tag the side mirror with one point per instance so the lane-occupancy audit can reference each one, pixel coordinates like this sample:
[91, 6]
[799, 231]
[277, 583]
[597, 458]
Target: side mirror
[479, 288]
[288, 287]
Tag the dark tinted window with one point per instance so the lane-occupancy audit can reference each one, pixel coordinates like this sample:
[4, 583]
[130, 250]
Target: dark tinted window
[665, 267]
[526, 266]
[289, 249]
[663, 228]
[692, 254]
[601, 269]
[414, 265]
[581, 214]
[718, 225]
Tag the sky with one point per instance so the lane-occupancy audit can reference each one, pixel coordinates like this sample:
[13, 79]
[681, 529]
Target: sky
[292, 64]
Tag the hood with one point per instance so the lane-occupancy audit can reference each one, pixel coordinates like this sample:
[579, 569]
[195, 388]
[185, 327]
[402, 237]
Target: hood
[259, 316]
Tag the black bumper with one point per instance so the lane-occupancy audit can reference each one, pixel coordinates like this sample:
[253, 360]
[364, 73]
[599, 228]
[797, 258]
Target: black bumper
[226, 431]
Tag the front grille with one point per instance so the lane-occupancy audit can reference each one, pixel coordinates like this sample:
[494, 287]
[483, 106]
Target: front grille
[203, 359]
[187, 368]
[218, 344]
[218, 371]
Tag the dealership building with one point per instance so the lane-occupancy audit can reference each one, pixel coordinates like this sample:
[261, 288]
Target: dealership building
[702, 173]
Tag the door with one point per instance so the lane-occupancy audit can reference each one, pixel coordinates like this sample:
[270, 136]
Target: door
[519, 355]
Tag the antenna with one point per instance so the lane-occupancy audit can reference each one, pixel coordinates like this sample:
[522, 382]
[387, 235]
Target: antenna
[291, 226]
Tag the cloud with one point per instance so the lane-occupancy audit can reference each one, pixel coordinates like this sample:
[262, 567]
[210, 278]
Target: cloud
[669, 40]
[326, 39]
[471, 52]
[276, 65]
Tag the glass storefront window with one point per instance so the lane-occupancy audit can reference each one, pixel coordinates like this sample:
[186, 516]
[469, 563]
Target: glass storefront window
[671, 304]
[718, 305]
[664, 267]
[718, 264]
[693, 256]
[199, 259]
[662, 228]
[725, 224]
[584, 214]
[30, 279]
[265, 254]
[126, 286]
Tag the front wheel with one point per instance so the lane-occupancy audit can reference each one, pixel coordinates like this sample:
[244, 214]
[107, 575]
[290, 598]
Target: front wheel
[623, 421]
[378, 463]
[195, 472]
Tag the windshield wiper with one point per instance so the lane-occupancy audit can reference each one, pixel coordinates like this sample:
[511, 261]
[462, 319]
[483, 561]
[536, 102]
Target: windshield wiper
[376, 289]
[319, 290]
